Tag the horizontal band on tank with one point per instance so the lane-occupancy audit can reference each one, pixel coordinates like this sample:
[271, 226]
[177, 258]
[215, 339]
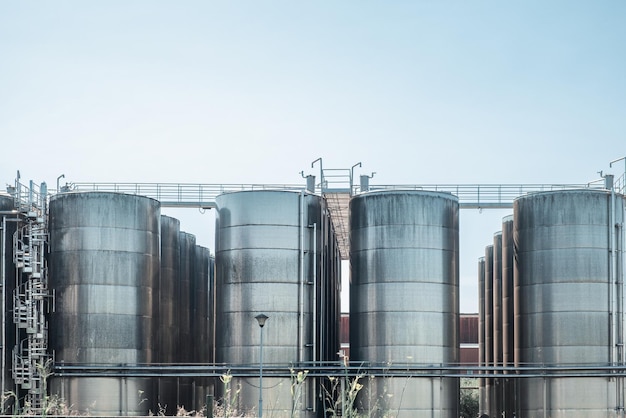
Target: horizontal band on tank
[425, 355]
[255, 252]
[105, 299]
[103, 267]
[565, 354]
[379, 279]
[101, 395]
[230, 337]
[570, 296]
[570, 394]
[95, 355]
[390, 246]
[108, 331]
[579, 229]
[402, 295]
[411, 267]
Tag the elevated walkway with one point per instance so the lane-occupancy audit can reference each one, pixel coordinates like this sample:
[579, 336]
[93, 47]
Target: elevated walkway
[337, 193]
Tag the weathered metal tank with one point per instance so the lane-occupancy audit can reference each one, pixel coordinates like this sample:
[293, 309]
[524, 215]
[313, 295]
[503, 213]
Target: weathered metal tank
[508, 246]
[566, 264]
[270, 260]
[104, 263]
[482, 389]
[498, 386]
[404, 298]
[167, 317]
[489, 382]
[187, 338]
[201, 323]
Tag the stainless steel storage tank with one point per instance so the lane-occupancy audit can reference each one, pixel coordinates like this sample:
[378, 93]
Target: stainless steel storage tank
[497, 322]
[268, 260]
[404, 298]
[104, 262]
[167, 317]
[187, 275]
[508, 313]
[489, 382]
[201, 323]
[482, 393]
[567, 250]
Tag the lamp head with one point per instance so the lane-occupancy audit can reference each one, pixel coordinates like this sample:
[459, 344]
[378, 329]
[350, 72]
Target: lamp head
[261, 318]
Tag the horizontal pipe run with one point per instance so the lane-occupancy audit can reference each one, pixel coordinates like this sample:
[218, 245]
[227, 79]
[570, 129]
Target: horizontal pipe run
[338, 370]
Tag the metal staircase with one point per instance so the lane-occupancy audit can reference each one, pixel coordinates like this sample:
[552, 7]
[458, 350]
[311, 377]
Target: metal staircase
[30, 298]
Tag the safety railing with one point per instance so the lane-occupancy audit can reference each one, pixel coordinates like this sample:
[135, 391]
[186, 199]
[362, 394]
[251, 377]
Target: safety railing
[181, 194]
[487, 195]
[203, 195]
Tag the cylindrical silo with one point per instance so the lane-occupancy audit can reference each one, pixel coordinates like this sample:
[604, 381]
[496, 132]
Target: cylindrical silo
[200, 320]
[104, 262]
[187, 275]
[268, 261]
[489, 382]
[8, 226]
[167, 339]
[566, 266]
[404, 297]
[497, 322]
[507, 313]
[482, 390]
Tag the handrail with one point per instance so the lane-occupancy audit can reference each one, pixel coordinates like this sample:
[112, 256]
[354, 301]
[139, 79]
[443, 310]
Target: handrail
[181, 194]
[203, 195]
[330, 368]
[487, 195]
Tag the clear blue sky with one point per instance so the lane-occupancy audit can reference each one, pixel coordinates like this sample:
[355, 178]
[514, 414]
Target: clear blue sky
[250, 91]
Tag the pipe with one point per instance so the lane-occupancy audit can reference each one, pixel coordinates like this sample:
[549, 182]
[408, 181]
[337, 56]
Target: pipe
[619, 274]
[314, 356]
[321, 173]
[301, 285]
[314, 348]
[352, 177]
[59, 178]
[545, 397]
[612, 291]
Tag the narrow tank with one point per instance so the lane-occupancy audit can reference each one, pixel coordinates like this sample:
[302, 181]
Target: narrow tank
[104, 263]
[507, 313]
[498, 386]
[8, 226]
[566, 250]
[187, 339]
[269, 260]
[482, 390]
[489, 382]
[200, 323]
[167, 313]
[404, 297]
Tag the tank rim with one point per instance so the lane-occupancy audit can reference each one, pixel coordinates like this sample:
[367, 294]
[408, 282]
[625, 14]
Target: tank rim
[439, 193]
[272, 191]
[96, 192]
[531, 195]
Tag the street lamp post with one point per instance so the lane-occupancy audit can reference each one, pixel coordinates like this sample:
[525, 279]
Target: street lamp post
[261, 318]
